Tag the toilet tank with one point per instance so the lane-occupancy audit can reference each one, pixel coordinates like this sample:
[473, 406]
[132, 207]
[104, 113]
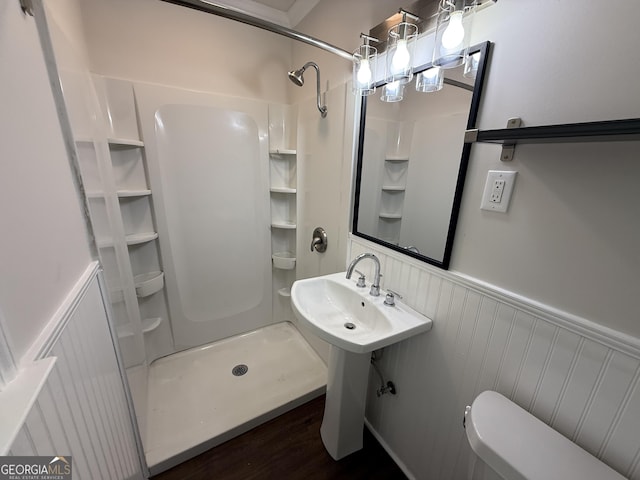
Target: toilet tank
[516, 445]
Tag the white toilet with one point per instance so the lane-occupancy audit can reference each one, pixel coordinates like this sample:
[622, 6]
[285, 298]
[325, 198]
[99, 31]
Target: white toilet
[511, 444]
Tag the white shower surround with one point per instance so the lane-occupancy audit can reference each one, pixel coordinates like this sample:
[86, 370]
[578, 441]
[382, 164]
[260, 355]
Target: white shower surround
[207, 157]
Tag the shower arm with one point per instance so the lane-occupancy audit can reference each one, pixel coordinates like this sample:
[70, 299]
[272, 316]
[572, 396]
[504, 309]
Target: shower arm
[322, 108]
[227, 12]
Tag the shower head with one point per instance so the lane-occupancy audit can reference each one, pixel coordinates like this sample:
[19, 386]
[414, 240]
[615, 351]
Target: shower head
[296, 77]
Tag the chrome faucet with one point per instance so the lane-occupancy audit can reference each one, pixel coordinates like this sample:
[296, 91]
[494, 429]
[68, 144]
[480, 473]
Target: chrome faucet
[375, 286]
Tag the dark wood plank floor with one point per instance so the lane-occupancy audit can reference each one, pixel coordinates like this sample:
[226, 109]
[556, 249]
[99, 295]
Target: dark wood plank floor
[288, 447]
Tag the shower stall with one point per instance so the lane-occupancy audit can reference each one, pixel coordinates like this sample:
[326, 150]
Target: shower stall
[201, 229]
[211, 186]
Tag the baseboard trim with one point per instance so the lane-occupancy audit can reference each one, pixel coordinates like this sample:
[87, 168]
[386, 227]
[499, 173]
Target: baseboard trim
[389, 451]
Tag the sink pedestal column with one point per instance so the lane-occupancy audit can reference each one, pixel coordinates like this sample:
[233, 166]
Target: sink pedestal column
[343, 421]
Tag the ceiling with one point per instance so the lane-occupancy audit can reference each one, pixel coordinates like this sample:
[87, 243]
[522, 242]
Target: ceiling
[287, 13]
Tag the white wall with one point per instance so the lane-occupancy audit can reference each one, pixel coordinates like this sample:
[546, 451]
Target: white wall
[157, 42]
[569, 239]
[43, 246]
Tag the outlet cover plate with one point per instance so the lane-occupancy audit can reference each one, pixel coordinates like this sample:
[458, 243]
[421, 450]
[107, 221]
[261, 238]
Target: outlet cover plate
[495, 178]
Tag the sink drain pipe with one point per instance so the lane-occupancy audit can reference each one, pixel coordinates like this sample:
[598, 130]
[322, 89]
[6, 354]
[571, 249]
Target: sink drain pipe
[385, 387]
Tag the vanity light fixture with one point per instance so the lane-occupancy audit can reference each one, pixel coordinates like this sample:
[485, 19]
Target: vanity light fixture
[392, 92]
[400, 47]
[364, 67]
[453, 31]
[430, 80]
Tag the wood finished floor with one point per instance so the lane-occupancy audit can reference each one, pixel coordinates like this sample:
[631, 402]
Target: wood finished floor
[288, 447]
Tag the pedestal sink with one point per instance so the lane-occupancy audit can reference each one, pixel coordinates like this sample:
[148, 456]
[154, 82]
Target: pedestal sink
[354, 323]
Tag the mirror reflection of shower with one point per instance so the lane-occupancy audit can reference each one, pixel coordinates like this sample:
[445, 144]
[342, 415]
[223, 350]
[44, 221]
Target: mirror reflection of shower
[296, 76]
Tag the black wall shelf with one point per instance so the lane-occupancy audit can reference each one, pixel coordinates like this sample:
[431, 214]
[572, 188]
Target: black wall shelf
[604, 131]
[610, 130]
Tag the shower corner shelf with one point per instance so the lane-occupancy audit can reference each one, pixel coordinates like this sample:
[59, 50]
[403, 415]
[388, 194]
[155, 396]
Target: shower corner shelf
[284, 292]
[133, 193]
[283, 151]
[124, 143]
[282, 190]
[391, 158]
[390, 216]
[284, 260]
[283, 225]
[148, 283]
[138, 238]
[121, 194]
[148, 325]
[393, 188]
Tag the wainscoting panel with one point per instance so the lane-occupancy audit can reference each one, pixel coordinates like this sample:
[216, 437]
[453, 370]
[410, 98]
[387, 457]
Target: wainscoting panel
[578, 377]
[82, 410]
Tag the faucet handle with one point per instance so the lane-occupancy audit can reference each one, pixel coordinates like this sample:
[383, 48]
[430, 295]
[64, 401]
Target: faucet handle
[361, 281]
[390, 299]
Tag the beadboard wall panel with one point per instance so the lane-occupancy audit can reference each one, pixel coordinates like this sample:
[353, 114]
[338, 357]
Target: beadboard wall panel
[82, 410]
[581, 380]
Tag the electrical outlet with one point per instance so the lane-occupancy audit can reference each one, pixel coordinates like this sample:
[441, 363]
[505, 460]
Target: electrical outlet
[497, 190]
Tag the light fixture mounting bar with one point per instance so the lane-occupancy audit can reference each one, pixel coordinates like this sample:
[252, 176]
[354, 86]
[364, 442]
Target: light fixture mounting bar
[226, 12]
[369, 38]
[406, 14]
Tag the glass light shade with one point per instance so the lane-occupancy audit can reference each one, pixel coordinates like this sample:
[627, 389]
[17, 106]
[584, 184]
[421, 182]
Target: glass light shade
[471, 65]
[430, 80]
[453, 32]
[392, 92]
[365, 60]
[400, 47]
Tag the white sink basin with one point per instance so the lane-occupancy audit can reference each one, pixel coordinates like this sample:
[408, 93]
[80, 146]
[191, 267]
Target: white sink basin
[326, 304]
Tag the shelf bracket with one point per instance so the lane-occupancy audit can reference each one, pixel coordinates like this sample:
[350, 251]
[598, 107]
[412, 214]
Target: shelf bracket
[27, 6]
[509, 149]
[471, 135]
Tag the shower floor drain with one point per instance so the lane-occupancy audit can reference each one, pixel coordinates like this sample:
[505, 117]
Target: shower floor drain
[240, 370]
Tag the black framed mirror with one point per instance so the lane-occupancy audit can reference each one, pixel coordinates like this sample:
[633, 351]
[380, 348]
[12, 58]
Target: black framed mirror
[412, 162]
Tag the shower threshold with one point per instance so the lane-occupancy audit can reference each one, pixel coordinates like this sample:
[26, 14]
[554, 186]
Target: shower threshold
[197, 399]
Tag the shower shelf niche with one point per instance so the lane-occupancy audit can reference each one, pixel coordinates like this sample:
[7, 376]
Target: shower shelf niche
[284, 260]
[124, 143]
[283, 151]
[148, 283]
[283, 190]
[133, 193]
[148, 325]
[396, 159]
[283, 225]
[285, 292]
[133, 239]
[122, 193]
[283, 199]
